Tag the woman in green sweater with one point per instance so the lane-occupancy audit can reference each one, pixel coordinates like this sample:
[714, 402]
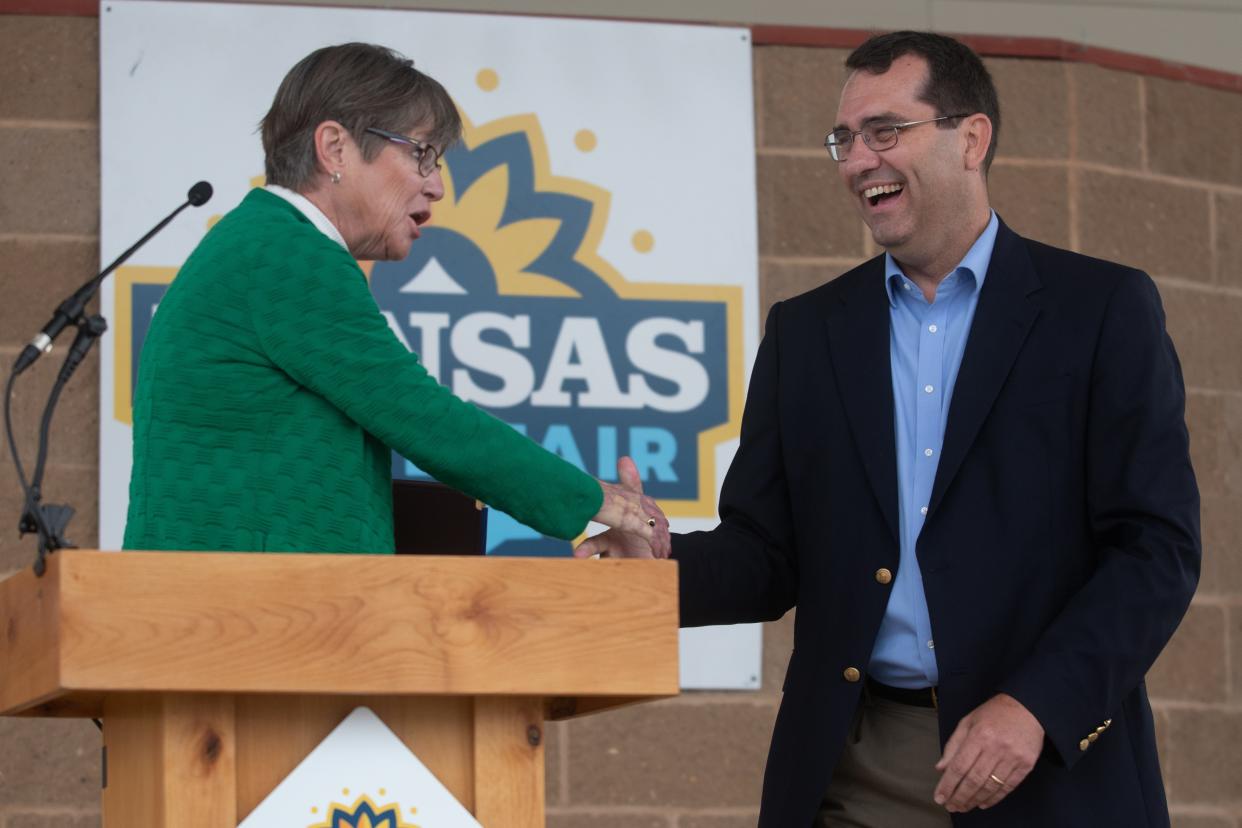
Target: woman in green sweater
[271, 390]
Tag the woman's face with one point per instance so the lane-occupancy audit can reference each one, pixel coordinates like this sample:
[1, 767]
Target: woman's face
[384, 202]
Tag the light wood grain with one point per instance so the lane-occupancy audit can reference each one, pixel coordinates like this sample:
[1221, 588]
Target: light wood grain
[508, 762]
[367, 624]
[170, 762]
[134, 751]
[29, 638]
[216, 674]
[200, 762]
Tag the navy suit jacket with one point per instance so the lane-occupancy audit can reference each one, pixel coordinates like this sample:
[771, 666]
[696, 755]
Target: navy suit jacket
[1060, 549]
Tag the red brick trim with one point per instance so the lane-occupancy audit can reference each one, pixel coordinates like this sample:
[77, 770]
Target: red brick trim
[1046, 48]
[51, 8]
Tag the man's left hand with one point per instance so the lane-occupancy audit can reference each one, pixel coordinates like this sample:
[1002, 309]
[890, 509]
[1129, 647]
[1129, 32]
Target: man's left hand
[998, 740]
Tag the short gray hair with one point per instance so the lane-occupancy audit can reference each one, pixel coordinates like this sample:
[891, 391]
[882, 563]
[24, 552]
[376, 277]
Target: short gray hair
[360, 85]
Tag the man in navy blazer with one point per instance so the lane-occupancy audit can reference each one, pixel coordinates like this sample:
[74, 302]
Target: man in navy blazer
[965, 462]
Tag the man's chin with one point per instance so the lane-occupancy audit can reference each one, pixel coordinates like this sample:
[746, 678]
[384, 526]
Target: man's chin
[889, 236]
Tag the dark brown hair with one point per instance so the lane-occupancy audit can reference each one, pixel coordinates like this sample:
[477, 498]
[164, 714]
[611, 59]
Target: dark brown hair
[360, 85]
[957, 80]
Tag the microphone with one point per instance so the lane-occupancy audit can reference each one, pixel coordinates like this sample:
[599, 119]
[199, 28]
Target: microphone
[199, 194]
[71, 309]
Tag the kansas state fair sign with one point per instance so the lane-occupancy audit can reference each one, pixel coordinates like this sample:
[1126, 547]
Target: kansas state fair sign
[590, 276]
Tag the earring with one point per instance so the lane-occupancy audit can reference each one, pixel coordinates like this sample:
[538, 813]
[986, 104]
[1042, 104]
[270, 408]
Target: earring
[336, 177]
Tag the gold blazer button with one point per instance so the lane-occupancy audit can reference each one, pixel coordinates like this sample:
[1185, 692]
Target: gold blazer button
[851, 674]
[883, 575]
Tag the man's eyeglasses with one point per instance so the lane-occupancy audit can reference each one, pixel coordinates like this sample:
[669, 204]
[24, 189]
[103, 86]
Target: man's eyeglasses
[878, 137]
[424, 154]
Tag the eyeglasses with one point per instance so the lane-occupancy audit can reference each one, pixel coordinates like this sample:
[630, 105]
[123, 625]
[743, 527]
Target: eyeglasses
[878, 137]
[425, 155]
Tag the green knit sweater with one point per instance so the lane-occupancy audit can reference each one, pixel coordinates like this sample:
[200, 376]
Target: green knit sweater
[270, 390]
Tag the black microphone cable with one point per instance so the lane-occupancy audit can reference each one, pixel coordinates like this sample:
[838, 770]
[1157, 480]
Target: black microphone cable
[29, 507]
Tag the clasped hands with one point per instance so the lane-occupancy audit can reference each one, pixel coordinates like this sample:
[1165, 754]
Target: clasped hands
[638, 527]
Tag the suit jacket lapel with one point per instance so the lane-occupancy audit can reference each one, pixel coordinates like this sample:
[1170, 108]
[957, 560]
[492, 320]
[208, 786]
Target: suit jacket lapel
[858, 337]
[1002, 320]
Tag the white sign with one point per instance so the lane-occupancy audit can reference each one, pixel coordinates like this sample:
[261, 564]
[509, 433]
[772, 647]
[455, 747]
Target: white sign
[591, 276]
[361, 771]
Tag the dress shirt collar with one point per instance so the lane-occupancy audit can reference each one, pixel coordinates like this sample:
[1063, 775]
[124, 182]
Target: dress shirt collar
[308, 209]
[975, 262]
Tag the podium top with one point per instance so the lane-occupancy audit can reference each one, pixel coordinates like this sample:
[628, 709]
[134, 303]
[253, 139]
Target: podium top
[100, 623]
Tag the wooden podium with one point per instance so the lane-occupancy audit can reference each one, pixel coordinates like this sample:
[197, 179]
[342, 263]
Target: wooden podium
[215, 673]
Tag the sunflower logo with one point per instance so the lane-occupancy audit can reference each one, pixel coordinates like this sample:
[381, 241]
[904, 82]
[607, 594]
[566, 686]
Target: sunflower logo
[509, 302]
[364, 813]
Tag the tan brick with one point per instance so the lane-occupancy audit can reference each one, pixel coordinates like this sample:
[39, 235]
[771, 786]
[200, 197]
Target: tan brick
[1192, 131]
[592, 819]
[804, 209]
[50, 69]
[1106, 118]
[57, 820]
[1215, 424]
[38, 276]
[735, 821]
[783, 280]
[1204, 764]
[1204, 327]
[777, 646]
[553, 749]
[1235, 651]
[1159, 227]
[1222, 546]
[50, 762]
[1201, 821]
[52, 181]
[1192, 666]
[1229, 239]
[798, 91]
[1034, 201]
[688, 755]
[1034, 108]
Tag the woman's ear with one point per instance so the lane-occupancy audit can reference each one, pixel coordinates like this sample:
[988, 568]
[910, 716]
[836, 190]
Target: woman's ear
[977, 131]
[331, 144]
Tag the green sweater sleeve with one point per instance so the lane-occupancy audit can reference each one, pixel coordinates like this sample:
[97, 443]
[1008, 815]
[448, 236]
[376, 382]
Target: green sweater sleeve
[317, 320]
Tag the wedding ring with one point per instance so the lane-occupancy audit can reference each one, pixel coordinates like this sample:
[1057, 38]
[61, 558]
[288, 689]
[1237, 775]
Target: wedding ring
[1000, 782]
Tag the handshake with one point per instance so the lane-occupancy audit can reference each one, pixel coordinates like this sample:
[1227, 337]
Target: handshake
[638, 527]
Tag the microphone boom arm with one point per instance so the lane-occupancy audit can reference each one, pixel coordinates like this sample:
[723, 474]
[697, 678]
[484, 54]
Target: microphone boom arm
[70, 311]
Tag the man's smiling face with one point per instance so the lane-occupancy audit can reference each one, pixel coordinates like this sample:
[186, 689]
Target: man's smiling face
[913, 194]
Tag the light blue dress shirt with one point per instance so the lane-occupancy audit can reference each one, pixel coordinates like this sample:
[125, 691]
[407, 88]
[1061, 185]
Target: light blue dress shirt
[926, 342]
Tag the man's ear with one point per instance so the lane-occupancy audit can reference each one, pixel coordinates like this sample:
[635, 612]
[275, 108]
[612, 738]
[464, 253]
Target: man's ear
[977, 132]
[331, 142]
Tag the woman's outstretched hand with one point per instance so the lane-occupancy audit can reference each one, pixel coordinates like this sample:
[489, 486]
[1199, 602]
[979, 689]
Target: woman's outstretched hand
[638, 527]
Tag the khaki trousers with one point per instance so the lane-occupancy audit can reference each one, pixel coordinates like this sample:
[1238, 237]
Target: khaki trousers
[886, 775]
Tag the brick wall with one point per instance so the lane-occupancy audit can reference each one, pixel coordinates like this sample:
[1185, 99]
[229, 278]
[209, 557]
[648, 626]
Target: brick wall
[49, 244]
[1137, 169]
